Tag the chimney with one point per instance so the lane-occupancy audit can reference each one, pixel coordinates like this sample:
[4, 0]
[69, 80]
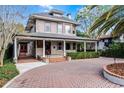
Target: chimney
[69, 15]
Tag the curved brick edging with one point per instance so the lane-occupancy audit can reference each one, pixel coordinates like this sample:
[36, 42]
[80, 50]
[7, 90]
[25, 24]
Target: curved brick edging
[113, 77]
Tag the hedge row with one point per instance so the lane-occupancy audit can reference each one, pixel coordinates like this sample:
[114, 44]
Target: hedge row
[114, 50]
[110, 53]
[83, 55]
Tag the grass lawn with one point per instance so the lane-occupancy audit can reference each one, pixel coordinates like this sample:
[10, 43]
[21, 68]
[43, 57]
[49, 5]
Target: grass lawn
[7, 72]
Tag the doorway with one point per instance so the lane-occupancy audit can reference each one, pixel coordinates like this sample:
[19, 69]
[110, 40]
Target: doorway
[47, 47]
[23, 49]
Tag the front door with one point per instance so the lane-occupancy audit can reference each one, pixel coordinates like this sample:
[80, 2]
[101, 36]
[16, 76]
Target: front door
[47, 47]
[23, 47]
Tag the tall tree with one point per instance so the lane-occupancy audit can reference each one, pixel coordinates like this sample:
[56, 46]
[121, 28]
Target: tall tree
[10, 16]
[112, 20]
[20, 27]
[86, 17]
[82, 34]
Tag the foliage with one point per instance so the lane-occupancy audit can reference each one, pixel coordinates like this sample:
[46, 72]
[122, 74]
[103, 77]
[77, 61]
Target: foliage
[7, 72]
[115, 50]
[86, 16]
[82, 34]
[112, 20]
[20, 27]
[10, 17]
[83, 55]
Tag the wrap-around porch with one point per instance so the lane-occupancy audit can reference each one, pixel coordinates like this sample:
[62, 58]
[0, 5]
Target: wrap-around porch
[48, 47]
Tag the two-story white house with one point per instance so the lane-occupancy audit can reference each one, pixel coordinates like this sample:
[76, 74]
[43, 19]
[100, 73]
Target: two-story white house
[50, 34]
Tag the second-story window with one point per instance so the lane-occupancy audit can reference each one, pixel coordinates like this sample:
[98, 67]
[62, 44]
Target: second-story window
[59, 28]
[68, 29]
[47, 27]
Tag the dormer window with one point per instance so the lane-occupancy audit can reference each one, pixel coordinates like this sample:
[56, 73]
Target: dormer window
[58, 15]
[55, 12]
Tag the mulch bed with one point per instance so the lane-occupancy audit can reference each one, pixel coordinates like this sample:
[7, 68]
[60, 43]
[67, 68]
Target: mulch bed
[117, 68]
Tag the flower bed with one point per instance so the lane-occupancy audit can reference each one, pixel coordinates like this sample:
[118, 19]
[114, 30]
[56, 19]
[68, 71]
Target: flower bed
[117, 68]
[114, 73]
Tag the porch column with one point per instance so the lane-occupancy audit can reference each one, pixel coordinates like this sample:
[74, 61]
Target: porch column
[43, 48]
[15, 50]
[64, 48]
[96, 46]
[84, 46]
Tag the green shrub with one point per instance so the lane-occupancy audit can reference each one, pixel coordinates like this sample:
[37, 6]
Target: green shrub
[115, 50]
[7, 72]
[6, 61]
[83, 55]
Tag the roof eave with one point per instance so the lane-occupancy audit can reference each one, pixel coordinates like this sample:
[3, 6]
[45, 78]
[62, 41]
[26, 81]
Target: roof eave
[53, 19]
[28, 34]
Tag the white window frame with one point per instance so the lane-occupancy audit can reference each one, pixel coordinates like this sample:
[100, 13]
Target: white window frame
[67, 31]
[58, 28]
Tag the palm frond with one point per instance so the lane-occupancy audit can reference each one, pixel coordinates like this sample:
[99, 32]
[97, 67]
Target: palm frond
[108, 20]
[98, 22]
[92, 7]
[107, 26]
[119, 27]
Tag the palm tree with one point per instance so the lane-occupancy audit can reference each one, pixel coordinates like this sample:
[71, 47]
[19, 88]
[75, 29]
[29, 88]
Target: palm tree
[112, 20]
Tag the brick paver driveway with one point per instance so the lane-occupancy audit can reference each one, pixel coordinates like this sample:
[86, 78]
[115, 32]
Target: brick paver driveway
[74, 74]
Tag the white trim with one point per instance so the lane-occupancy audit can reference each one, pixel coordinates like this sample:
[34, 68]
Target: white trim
[85, 47]
[96, 47]
[15, 49]
[35, 48]
[36, 38]
[18, 49]
[54, 19]
[64, 48]
[43, 48]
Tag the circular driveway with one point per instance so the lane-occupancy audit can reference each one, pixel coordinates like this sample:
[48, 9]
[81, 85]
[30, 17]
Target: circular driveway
[75, 74]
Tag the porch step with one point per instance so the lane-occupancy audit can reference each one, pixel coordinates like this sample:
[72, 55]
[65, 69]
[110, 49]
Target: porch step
[58, 59]
[26, 57]
[22, 55]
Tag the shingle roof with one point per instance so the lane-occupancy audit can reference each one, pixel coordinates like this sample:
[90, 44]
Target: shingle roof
[54, 36]
[53, 18]
[48, 16]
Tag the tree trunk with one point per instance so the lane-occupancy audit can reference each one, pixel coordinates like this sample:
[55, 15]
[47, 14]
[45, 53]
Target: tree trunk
[2, 57]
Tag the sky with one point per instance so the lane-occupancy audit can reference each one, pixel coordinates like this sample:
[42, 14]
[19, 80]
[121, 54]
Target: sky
[73, 9]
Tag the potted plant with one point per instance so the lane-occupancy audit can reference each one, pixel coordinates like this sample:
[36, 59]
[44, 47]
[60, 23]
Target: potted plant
[68, 58]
